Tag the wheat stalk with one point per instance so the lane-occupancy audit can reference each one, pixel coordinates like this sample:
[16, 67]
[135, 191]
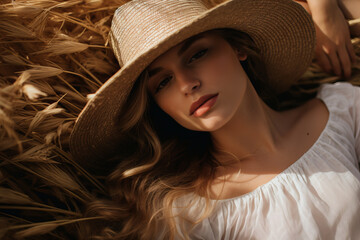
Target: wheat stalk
[53, 55]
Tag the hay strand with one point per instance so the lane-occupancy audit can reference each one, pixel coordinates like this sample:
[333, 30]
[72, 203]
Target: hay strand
[54, 55]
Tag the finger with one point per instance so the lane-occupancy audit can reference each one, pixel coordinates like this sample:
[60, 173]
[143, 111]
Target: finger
[345, 61]
[323, 61]
[351, 51]
[334, 60]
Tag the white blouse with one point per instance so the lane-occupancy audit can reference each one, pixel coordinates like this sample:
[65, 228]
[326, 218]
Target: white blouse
[317, 197]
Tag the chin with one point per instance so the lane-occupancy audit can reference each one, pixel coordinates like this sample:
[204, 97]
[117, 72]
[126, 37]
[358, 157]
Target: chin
[209, 125]
[213, 126]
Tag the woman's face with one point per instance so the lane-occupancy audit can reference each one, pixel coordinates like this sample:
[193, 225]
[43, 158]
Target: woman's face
[200, 83]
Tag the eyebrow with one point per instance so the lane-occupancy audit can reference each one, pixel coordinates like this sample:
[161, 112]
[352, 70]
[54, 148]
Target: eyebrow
[183, 48]
[188, 43]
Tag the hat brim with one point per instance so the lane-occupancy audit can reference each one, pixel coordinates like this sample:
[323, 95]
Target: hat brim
[282, 30]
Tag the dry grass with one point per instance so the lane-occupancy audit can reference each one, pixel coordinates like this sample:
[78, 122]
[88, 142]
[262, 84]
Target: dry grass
[53, 55]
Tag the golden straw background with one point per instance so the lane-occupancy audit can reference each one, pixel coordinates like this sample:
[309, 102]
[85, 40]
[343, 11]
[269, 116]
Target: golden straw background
[53, 56]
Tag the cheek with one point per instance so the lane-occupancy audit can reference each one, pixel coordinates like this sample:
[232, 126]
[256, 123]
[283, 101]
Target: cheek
[170, 103]
[225, 67]
[164, 103]
[175, 107]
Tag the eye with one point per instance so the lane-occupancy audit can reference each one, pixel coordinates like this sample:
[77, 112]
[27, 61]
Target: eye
[198, 55]
[163, 83]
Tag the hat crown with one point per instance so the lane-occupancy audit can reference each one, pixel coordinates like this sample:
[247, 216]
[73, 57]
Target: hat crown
[140, 25]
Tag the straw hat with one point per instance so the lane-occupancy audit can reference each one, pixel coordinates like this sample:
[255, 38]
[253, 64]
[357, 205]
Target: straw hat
[142, 30]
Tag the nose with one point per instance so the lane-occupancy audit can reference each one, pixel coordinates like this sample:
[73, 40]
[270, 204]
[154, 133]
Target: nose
[188, 82]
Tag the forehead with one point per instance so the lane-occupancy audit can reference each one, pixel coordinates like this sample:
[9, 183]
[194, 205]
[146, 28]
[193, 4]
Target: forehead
[180, 48]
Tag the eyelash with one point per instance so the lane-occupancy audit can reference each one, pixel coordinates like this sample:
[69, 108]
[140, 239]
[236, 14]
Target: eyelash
[195, 57]
[198, 55]
[163, 83]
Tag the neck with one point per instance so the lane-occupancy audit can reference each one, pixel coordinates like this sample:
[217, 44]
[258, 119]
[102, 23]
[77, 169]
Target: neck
[254, 131]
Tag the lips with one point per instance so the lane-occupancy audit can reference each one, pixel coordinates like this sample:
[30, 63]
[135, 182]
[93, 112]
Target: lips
[207, 100]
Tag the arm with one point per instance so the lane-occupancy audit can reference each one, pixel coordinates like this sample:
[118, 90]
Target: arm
[350, 8]
[334, 51]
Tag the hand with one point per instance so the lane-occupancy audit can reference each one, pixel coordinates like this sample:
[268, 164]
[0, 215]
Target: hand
[334, 51]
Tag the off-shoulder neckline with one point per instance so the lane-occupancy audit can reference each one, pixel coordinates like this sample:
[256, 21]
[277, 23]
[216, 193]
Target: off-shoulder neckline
[290, 168]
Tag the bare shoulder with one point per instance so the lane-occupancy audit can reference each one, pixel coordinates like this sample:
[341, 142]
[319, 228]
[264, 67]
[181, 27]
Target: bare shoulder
[314, 114]
[312, 118]
[316, 111]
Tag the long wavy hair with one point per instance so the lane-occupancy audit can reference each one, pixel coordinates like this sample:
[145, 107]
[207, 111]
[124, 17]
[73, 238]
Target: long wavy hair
[159, 162]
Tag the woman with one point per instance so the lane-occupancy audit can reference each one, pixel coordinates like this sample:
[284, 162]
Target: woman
[193, 138]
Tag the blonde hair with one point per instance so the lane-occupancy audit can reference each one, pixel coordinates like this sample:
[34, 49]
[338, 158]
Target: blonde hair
[158, 162]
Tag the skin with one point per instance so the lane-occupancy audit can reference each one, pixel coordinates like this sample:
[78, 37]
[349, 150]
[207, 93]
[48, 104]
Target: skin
[334, 51]
[264, 142]
[187, 83]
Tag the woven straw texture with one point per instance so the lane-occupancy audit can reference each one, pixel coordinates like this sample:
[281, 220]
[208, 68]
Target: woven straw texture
[53, 56]
[286, 46]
